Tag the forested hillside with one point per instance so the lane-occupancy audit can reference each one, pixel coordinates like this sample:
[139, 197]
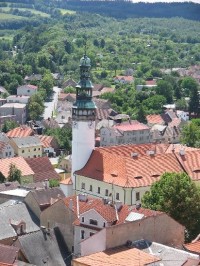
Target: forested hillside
[141, 47]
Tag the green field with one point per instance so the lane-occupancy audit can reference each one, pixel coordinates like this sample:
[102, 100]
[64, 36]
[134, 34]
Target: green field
[66, 11]
[4, 16]
[33, 11]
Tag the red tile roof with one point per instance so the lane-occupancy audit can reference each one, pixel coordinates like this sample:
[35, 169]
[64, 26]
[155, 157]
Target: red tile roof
[19, 162]
[126, 78]
[107, 211]
[151, 82]
[42, 168]
[128, 171]
[193, 247]
[67, 181]
[107, 89]
[190, 163]
[140, 149]
[29, 86]
[154, 119]
[3, 145]
[20, 132]
[46, 140]
[131, 127]
[8, 254]
[120, 256]
[32, 87]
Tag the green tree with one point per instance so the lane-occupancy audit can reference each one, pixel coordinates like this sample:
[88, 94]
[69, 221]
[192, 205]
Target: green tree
[54, 183]
[47, 83]
[154, 103]
[2, 178]
[178, 196]
[194, 101]
[165, 88]
[62, 135]
[181, 104]
[69, 90]
[188, 84]
[8, 125]
[190, 134]
[141, 116]
[14, 173]
[35, 106]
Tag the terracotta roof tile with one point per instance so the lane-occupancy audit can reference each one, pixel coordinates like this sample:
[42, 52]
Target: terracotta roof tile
[151, 82]
[193, 247]
[46, 140]
[121, 256]
[107, 211]
[177, 147]
[154, 119]
[131, 127]
[8, 254]
[107, 89]
[3, 145]
[19, 162]
[140, 149]
[125, 78]
[190, 161]
[20, 132]
[67, 181]
[42, 168]
[129, 172]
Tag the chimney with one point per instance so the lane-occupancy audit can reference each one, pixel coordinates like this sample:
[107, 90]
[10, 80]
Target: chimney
[134, 154]
[71, 204]
[118, 205]
[77, 206]
[82, 197]
[182, 152]
[116, 212]
[151, 153]
[105, 201]
[138, 206]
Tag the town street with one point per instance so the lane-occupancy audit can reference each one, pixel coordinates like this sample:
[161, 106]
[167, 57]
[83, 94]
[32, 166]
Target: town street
[51, 105]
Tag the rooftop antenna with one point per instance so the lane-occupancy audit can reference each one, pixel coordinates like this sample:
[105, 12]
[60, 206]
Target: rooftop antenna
[85, 47]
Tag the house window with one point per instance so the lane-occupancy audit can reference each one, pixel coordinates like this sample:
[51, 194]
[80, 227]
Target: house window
[104, 224]
[106, 192]
[91, 234]
[9, 152]
[82, 219]
[6, 154]
[99, 190]
[90, 187]
[34, 149]
[22, 151]
[38, 149]
[137, 195]
[82, 234]
[93, 222]
[82, 185]
[117, 196]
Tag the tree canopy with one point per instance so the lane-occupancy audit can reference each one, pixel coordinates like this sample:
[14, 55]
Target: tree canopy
[190, 134]
[177, 195]
[14, 174]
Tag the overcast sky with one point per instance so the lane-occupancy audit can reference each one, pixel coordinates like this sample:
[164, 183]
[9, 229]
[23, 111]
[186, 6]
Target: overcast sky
[168, 1]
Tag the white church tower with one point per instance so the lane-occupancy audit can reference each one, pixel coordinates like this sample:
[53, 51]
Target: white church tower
[83, 119]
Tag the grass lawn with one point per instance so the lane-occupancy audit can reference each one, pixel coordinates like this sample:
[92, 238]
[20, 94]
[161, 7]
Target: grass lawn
[66, 11]
[35, 12]
[4, 16]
